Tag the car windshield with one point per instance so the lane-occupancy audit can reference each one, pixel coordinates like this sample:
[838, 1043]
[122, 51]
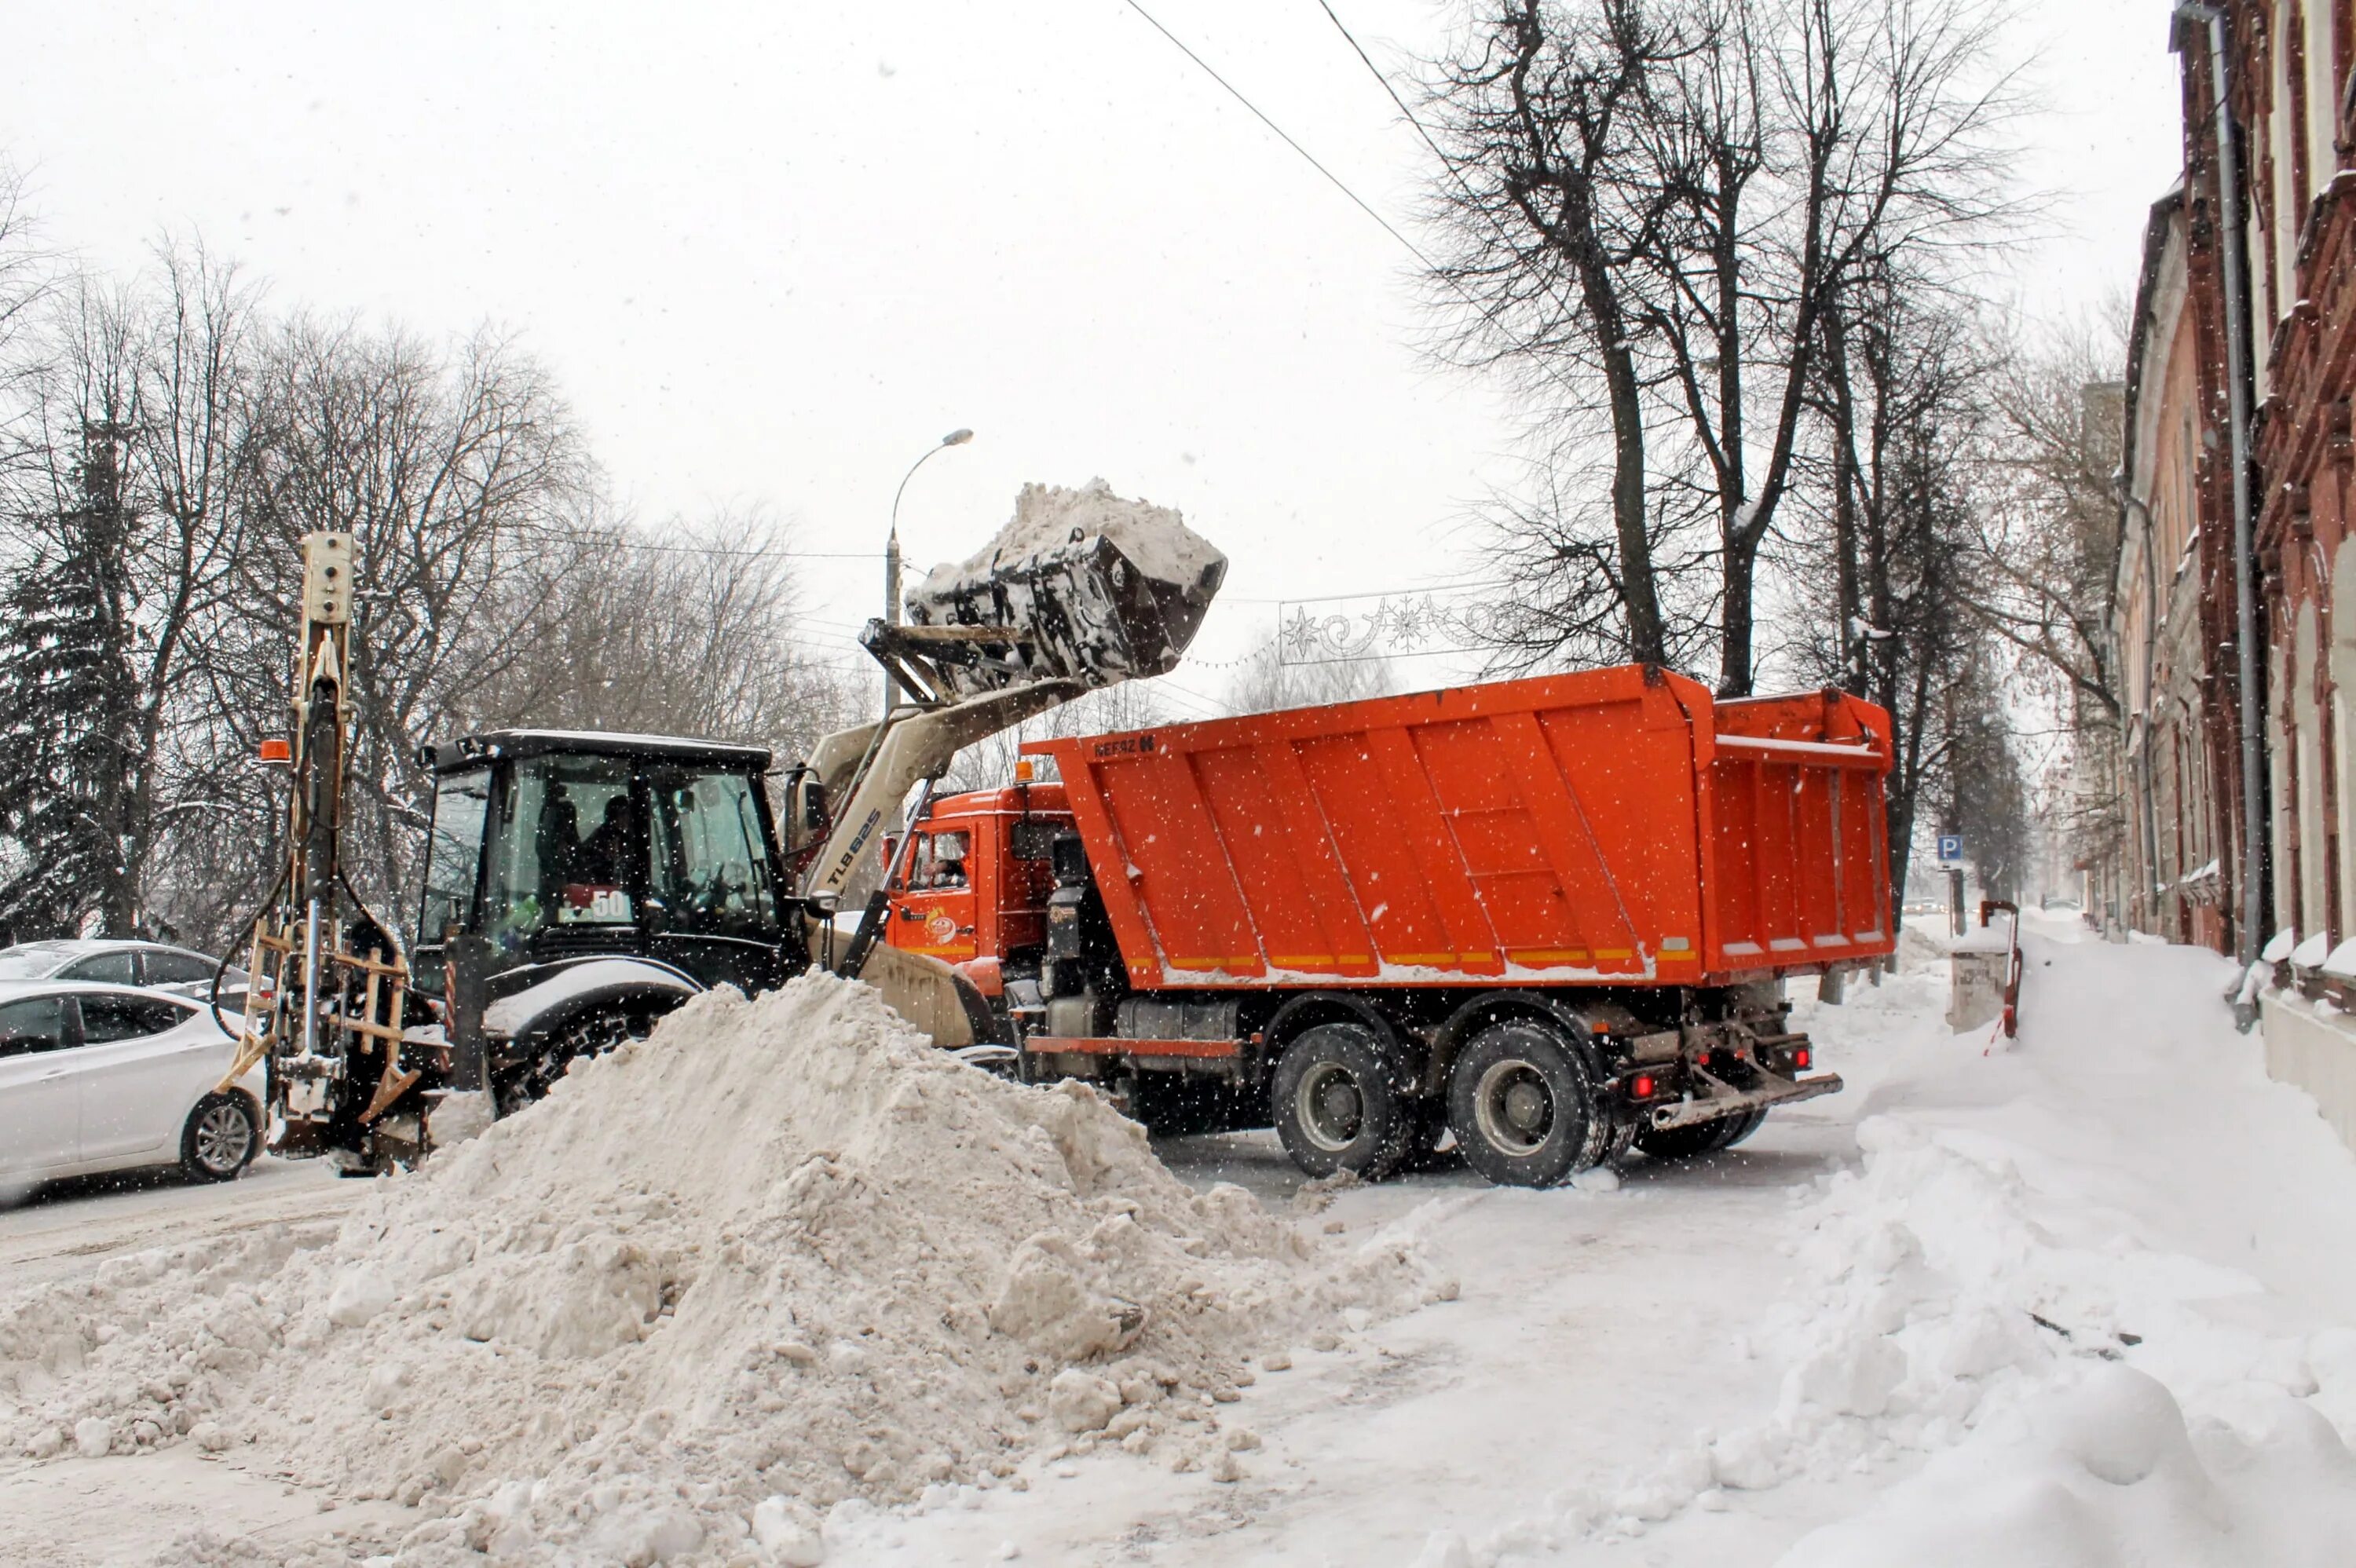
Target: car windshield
[33, 960]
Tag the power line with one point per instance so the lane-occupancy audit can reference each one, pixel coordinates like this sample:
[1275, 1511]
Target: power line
[1454, 171]
[1413, 250]
[1286, 137]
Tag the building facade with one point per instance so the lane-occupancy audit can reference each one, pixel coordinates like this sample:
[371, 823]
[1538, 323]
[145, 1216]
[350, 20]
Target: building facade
[2291, 64]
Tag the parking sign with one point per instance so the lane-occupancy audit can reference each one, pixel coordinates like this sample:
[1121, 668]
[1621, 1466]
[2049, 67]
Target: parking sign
[1951, 849]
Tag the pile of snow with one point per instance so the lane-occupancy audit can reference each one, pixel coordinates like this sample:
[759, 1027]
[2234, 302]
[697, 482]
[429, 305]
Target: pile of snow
[1992, 1290]
[1050, 518]
[780, 1256]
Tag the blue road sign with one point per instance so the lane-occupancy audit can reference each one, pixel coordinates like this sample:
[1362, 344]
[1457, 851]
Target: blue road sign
[1951, 849]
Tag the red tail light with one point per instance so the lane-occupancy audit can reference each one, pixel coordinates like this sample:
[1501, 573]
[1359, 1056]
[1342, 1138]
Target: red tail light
[1801, 1058]
[1643, 1087]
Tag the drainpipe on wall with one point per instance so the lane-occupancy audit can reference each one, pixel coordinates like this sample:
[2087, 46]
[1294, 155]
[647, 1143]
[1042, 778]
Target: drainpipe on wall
[2245, 589]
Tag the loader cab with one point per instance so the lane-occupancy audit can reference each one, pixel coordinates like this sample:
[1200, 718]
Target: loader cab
[547, 845]
[973, 887]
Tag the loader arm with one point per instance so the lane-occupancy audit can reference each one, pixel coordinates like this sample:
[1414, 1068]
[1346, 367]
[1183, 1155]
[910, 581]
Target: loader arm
[1044, 614]
[867, 772]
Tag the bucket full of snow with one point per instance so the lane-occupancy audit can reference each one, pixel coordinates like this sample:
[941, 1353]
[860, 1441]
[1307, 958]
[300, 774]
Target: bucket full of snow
[1081, 584]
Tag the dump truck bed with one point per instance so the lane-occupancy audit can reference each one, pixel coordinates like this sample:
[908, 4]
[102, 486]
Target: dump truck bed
[1610, 827]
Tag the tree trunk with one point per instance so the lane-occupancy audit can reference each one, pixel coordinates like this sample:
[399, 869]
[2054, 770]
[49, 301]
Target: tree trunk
[1647, 636]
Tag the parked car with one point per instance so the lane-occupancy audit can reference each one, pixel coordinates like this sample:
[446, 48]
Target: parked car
[119, 963]
[96, 1077]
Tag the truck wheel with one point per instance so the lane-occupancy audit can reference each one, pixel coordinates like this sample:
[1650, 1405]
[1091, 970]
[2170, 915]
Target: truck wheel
[1740, 1127]
[1523, 1107]
[1699, 1138]
[1336, 1105]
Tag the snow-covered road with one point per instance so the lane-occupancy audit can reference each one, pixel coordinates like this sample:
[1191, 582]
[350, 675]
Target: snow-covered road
[69, 1228]
[1788, 1353]
[2087, 1300]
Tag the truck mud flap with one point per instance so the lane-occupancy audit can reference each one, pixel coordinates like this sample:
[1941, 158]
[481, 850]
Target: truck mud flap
[1725, 1100]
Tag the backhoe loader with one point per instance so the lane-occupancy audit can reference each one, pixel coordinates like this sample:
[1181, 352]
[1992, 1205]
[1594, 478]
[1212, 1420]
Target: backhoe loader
[577, 886]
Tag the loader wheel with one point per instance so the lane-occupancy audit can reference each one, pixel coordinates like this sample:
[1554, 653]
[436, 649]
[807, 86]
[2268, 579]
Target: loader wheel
[591, 1035]
[1522, 1105]
[219, 1138]
[1336, 1104]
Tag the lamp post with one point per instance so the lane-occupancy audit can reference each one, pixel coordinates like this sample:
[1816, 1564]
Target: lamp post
[891, 553]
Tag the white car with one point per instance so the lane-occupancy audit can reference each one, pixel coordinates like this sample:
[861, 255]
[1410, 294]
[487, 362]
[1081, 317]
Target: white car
[96, 1078]
[117, 962]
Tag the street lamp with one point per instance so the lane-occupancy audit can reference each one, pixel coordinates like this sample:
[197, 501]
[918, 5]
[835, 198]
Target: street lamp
[891, 553]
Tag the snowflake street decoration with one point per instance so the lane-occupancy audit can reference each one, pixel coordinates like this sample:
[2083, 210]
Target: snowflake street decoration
[1387, 625]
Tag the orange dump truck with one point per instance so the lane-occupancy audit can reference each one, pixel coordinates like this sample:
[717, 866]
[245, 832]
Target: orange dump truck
[1551, 917]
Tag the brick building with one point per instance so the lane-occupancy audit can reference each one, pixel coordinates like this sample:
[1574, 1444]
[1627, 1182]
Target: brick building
[2291, 64]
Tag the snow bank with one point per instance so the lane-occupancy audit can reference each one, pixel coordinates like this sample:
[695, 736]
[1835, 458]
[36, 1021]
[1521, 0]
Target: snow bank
[2049, 1364]
[780, 1256]
[2036, 1312]
[1048, 517]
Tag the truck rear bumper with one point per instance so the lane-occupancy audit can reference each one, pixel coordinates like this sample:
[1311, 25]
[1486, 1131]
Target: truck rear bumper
[1725, 1100]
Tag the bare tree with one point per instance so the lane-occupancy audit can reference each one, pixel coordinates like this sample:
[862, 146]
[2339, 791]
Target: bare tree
[1810, 143]
[1265, 682]
[450, 471]
[2048, 528]
[698, 633]
[1904, 391]
[26, 278]
[1704, 178]
[1549, 208]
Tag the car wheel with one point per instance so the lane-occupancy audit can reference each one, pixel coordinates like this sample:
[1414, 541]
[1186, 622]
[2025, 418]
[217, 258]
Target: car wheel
[219, 1138]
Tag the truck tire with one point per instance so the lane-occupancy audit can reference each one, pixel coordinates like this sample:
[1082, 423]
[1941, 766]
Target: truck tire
[1524, 1107]
[1336, 1104]
[1699, 1138]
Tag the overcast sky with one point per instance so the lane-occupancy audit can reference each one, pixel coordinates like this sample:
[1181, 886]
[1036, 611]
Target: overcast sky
[773, 251]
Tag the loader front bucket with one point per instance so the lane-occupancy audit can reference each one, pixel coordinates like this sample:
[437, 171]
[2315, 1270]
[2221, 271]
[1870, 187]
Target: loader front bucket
[1102, 604]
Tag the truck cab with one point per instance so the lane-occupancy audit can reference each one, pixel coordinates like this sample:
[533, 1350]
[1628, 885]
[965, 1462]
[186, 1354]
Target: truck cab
[973, 889]
[579, 885]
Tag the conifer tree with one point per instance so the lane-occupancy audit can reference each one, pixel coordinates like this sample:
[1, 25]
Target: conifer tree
[69, 710]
